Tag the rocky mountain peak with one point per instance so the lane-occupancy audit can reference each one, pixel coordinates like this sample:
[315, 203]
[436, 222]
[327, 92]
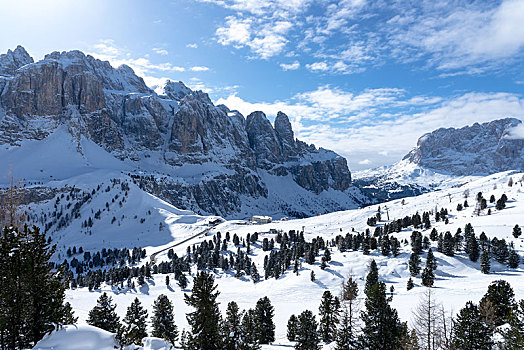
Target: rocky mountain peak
[12, 60]
[176, 90]
[263, 139]
[478, 149]
[285, 133]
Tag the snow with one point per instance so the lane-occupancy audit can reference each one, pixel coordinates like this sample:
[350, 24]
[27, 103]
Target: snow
[81, 337]
[458, 280]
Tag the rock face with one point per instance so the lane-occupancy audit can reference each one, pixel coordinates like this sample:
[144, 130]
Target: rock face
[196, 155]
[479, 149]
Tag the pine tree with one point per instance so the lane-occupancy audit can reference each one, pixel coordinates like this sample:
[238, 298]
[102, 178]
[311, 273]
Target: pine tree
[448, 247]
[514, 334]
[485, 263]
[501, 296]
[431, 261]
[472, 247]
[68, 314]
[372, 277]
[292, 325]
[514, 260]
[382, 327]
[204, 321]
[470, 333]
[410, 284]
[103, 315]
[163, 320]
[307, 337]
[136, 323]
[264, 326]
[328, 312]
[182, 281]
[32, 291]
[428, 278]
[517, 231]
[414, 264]
[248, 328]
[345, 338]
[232, 327]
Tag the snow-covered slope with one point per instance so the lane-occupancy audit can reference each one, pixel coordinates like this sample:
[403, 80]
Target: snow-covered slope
[457, 278]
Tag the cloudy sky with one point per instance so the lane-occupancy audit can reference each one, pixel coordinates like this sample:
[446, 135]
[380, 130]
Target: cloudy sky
[365, 78]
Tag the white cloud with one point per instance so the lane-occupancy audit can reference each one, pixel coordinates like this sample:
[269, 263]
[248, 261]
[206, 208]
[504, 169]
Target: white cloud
[516, 133]
[457, 37]
[290, 66]
[237, 32]
[192, 46]
[317, 67]
[160, 51]
[199, 69]
[364, 162]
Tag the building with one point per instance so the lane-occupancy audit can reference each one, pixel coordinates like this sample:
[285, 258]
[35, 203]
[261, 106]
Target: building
[261, 219]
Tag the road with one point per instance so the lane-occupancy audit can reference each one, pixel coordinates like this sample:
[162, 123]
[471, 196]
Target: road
[154, 255]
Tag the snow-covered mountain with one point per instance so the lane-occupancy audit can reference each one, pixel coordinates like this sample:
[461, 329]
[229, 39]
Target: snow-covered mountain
[448, 157]
[71, 114]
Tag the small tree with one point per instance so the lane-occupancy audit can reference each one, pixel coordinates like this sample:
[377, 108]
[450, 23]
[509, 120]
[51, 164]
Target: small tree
[163, 320]
[428, 278]
[103, 315]
[292, 325]
[307, 336]
[414, 264]
[328, 311]
[135, 320]
[485, 262]
[264, 325]
[517, 231]
[410, 284]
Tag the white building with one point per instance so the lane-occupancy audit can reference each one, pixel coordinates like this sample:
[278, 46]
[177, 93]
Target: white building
[261, 219]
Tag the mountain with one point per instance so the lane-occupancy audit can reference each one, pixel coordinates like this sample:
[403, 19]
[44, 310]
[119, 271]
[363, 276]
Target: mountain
[479, 149]
[448, 157]
[70, 114]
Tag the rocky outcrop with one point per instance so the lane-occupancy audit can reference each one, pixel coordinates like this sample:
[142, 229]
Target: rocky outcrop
[479, 149]
[12, 60]
[227, 155]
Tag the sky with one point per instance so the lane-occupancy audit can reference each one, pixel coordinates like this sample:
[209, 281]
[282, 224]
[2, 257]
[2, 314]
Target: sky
[365, 78]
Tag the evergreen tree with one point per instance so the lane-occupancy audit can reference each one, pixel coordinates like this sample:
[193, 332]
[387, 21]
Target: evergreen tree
[163, 320]
[31, 290]
[514, 334]
[517, 231]
[292, 325]
[501, 296]
[233, 327]
[485, 263]
[204, 321]
[372, 277]
[431, 261]
[414, 264]
[328, 312]
[264, 326]
[307, 337]
[382, 327]
[182, 281]
[103, 315]
[428, 278]
[448, 247]
[345, 338]
[514, 260]
[248, 328]
[472, 247]
[136, 324]
[68, 315]
[470, 333]
[410, 284]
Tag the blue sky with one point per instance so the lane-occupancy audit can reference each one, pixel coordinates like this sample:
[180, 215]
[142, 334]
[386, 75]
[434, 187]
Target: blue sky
[364, 78]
